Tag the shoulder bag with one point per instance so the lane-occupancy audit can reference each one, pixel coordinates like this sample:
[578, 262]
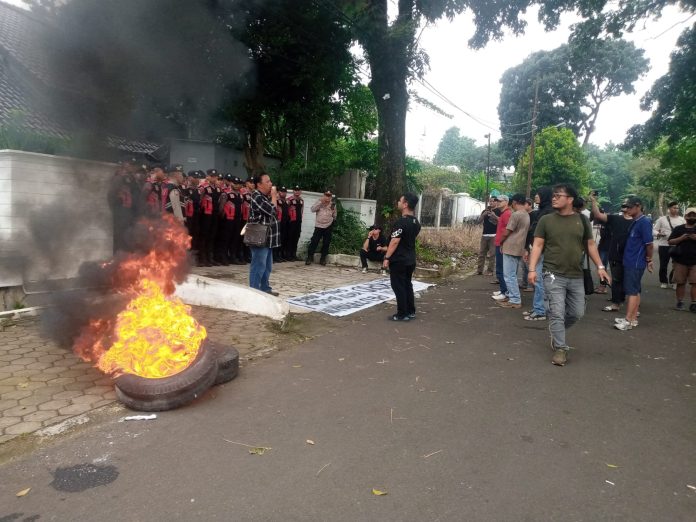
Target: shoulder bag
[256, 234]
[587, 277]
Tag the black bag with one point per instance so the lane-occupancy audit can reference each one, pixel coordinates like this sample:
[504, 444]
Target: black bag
[675, 250]
[256, 235]
[587, 277]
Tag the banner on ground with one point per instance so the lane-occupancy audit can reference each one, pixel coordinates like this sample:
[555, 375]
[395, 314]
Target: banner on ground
[350, 299]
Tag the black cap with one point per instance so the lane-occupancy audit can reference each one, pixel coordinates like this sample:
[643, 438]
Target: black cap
[250, 179]
[229, 177]
[200, 174]
[282, 189]
[175, 168]
[211, 172]
[633, 201]
[328, 193]
[156, 166]
[192, 174]
[237, 181]
[296, 187]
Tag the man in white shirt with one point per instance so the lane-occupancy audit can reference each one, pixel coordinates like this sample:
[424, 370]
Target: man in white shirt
[661, 230]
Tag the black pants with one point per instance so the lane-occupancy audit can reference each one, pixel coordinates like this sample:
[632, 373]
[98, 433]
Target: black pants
[400, 276]
[618, 296]
[663, 252]
[295, 231]
[325, 235]
[372, 256]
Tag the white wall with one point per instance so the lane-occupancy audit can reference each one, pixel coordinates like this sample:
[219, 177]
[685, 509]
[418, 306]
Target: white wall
[466, 207]
[53, 216]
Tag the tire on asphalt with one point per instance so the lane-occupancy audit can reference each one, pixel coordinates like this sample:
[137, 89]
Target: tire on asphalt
[228, 363]
[190, 382]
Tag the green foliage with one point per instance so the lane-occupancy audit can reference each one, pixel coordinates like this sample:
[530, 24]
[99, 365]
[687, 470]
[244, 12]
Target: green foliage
[348, 233]
[426, 254]
[558, 159]
[463, 152]
[433, 177]
[14, 135]
[476, 186]
[573, 82]
[610, 173]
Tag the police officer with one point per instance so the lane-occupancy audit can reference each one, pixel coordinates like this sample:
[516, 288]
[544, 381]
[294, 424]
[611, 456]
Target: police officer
[236, 252]
[226, 221]
[153, 204]
[295, 211]
[174, 201]
[246, 192]
[283, 217]
[192, 206]
[209, 197]
[121, 200]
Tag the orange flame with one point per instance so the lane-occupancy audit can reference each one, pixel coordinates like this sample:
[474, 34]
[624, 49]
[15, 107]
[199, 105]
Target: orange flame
[155, 335]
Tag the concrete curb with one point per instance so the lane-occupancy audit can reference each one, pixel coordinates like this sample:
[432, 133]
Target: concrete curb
[205, 291]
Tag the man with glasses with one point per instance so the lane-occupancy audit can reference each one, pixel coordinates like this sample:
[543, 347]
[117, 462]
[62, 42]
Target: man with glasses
[563, 238]
[616, 227]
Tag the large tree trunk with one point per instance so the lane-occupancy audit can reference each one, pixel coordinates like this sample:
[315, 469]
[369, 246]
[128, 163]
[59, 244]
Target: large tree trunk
[253, 152]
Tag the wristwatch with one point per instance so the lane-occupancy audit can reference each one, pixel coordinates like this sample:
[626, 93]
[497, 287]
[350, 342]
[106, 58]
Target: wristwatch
[601, 267]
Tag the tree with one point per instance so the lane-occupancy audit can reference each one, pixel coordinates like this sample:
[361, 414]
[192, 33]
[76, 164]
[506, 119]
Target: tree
[570, 82]
[610, 173]
[463, 152]
[558, 159]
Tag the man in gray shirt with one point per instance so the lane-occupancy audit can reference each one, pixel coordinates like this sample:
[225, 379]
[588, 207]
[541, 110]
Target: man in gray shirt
[512, 246]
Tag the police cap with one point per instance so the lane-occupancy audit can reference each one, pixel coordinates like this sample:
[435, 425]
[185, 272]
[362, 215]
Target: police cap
[211, 172]
[282, 189]
[296, 187]
[229, 177]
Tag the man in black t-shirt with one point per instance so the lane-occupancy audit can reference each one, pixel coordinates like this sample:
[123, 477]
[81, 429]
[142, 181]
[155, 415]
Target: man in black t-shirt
[374, 247]
[616, 227]
[401, 258]
[489, 220]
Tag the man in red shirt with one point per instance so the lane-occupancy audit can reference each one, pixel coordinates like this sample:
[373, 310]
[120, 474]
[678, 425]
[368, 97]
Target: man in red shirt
[503, 219]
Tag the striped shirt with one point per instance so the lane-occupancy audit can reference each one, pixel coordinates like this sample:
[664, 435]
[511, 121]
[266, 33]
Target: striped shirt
[263, 211]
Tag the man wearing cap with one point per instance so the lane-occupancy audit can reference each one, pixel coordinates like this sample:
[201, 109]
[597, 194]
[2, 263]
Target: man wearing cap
[263, 211]
[192, 206]
[374, 247]
[295, 211]
[663, 228]
[227, 216]
[489, 219]
[120, 198]
[325, 210]
[616, 227]
[564, 238]
[246, 191]
[683, 239]
[637, 257]
[209, 196]
[503, 219]
[236, 251]
[152, 191]
[279, 254]
[174, 202]
[512, 245]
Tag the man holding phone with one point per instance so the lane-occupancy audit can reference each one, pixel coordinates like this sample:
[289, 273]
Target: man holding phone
[325, 210]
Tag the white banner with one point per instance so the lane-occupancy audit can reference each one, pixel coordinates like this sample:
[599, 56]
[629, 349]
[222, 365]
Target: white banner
[350, 299]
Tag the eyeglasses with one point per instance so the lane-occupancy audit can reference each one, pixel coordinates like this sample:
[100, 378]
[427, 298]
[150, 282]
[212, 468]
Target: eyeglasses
[556, 196]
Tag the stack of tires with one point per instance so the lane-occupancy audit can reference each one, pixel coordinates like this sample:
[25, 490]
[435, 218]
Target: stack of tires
[213, 365]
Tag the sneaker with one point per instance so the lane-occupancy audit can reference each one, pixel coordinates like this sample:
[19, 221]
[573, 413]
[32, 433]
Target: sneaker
[680, 307]
[527, 312]
[560, 357]
[499, 297]
[626, 325]
[364, 270]
[396, 317]
[412, 316]
[509, 304]
[497, 292]
[664, 285]
[534, 317]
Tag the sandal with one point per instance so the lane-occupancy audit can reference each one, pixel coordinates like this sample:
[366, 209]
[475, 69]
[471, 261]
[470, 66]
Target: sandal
[610, 308]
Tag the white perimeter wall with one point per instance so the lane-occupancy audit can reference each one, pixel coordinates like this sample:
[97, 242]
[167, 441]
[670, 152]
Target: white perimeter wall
[53, 216]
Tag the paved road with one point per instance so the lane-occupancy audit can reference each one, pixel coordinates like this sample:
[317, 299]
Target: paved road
[457, 416]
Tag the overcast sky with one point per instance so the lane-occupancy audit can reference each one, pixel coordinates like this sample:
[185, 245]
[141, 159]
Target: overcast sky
[471, 78]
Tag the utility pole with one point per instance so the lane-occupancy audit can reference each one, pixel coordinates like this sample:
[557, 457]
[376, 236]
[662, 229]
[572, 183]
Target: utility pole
[488, 168]
[531, 148]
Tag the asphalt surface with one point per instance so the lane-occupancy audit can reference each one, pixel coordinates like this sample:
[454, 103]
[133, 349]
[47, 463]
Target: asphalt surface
[458, 415]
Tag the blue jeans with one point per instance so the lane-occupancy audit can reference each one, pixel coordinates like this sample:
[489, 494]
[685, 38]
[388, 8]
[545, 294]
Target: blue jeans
[499, 270]
[260, 268]
[565, 302]
[510, 266]
[538, 303]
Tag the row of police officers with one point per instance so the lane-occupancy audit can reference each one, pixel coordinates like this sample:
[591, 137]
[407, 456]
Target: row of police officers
[213, 206]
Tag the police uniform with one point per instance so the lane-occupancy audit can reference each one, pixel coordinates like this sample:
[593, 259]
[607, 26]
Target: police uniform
[246, 192]
[121, 201]
[209, 197]
[295, 211]
[236, 251]
[227, 220]
[192, 200]
[172, 193]
[283, 217]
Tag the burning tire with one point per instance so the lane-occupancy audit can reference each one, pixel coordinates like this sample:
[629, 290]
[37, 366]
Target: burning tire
[228, 363]
[144, 394]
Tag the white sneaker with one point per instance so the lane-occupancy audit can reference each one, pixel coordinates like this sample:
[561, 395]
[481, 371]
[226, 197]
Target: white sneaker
[626, 325]
[497, 292]
[499, 297]
[664, 285]
[364, 270]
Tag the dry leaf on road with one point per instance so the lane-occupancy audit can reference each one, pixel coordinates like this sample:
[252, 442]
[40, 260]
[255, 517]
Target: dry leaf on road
[23, 492]
[378, 492]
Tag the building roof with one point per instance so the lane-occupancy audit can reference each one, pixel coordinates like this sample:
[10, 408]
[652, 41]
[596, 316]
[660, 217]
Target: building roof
[27, 81]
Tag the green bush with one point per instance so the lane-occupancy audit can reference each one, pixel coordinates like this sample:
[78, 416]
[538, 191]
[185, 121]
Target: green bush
[349, 232]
